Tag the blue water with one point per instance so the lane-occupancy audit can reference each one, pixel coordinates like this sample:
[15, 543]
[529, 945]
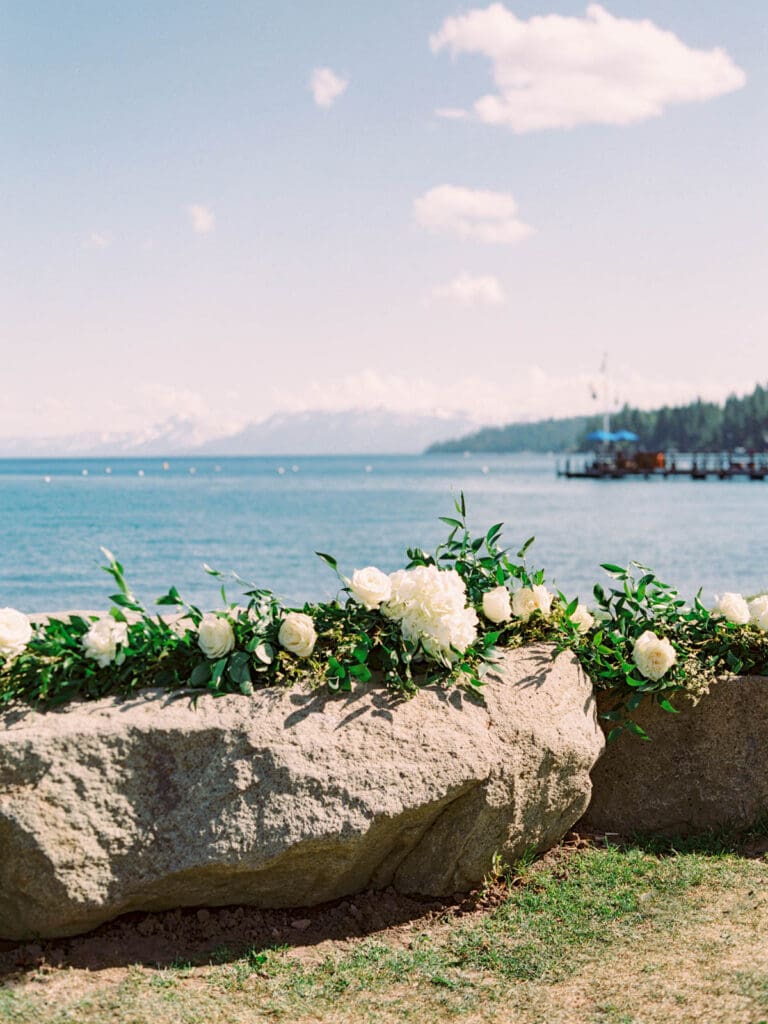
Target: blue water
[244, 514]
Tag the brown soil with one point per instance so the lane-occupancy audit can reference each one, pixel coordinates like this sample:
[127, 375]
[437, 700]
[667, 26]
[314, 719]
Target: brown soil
[194, 935]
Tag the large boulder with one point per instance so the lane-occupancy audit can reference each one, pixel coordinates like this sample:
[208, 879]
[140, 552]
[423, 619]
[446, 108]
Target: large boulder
[704, 768]
[288, 798]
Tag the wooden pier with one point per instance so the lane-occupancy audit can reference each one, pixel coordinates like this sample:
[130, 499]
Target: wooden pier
[616, 465]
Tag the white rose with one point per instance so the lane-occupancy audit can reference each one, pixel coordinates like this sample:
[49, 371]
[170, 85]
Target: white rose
[370, 587]
[582, 619]
[297, 634]
[496, 605]
[102, 640]
[15, 632]
[733, 607]
[758, 611]
[528, 600]
[215, 636]
[653, 655]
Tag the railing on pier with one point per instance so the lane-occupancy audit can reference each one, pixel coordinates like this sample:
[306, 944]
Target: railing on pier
[615, 465]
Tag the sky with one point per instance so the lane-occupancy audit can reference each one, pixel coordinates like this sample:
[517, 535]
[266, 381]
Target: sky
[223, 210]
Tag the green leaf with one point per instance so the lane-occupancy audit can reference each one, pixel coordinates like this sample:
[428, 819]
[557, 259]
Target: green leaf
[264, 652]
[524, 548]
[125, 601]
[451, 522]
[217, 670]
[666, 706]
[200, 674]
[493, 533]
[239, 669]
[328, 559]
[613, 569]
[210, 571]
[637, 730]
[361, 673]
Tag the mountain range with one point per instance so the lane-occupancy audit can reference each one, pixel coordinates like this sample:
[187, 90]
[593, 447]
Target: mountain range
[349, 432]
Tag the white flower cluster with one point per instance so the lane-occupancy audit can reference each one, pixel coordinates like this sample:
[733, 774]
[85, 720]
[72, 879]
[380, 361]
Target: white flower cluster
[15, 632]
[735, 608]
[431, 606]
[499, 607]
[103, 641]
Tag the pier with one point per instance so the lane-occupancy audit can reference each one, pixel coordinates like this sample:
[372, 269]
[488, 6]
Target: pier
[616, 465]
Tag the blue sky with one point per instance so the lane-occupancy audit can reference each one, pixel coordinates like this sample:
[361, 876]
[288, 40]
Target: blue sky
[315, 277]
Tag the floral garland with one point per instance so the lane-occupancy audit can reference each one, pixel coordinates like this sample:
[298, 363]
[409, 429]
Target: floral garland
[443, 618]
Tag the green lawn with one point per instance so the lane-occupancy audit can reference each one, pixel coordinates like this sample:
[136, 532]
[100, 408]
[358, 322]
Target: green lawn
[633, 934]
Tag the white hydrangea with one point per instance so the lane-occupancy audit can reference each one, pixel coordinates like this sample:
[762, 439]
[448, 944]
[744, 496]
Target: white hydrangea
[103, 640]
[732, 607]
[653, 655]
[758, 611]
[528, 600]
[431, 606]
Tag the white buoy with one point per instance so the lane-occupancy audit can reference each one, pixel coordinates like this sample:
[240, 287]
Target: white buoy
[485, 469]
[166, 466]
[294, 469]
[192, 470]
[140, 473]
[84, 472]
[107, 469]
[47, 479]
[281, 470]
[369, 469]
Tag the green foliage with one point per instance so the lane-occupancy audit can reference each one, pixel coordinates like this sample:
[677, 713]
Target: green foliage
[706, 645]
[356, 645]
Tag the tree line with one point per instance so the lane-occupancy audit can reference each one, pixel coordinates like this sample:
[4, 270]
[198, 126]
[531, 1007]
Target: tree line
[696, 427]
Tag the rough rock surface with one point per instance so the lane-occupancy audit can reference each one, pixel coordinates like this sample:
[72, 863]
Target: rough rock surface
[286, 799]
[704, 768]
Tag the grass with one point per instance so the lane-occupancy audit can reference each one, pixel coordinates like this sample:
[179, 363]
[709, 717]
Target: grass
[642, 933]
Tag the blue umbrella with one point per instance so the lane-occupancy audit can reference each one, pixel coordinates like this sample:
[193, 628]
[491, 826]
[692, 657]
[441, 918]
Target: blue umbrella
[601, 435]
[625, 435]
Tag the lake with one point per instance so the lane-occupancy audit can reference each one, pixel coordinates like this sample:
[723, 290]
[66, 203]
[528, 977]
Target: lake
[265, 518]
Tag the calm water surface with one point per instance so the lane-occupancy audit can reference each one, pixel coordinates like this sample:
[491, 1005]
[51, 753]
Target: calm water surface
[264, 517]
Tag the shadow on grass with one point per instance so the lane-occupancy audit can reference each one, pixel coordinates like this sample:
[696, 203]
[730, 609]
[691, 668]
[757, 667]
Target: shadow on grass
[199, 936]
[195, 936]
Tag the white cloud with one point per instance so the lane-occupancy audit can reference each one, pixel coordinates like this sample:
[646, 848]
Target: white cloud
[556, 72]
[96, 240]
[326, 86]
[202, 218]
[529, 393]
[471, 213]
[452, 113]
[471, 290]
